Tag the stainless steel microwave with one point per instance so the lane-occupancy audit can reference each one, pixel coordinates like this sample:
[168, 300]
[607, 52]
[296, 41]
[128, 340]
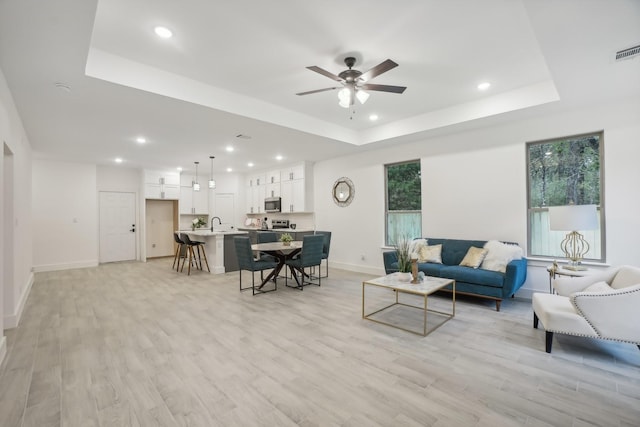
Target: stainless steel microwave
[272, 204]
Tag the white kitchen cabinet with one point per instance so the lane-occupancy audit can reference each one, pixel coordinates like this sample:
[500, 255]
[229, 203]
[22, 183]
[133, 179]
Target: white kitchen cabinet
[256, 185]
[273, 177]
[161, 185]
[292, 173]
[293, 196]
[194, 202]
[273, 190]
[255, 199]
[256, 180]
[294, 184]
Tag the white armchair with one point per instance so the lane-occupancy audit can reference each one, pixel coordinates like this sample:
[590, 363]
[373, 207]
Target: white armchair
[605, 305]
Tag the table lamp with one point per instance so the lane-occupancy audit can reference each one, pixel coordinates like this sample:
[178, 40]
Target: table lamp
[571, 218]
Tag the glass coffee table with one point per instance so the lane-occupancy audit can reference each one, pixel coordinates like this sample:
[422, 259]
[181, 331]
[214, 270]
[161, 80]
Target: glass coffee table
[424, 288]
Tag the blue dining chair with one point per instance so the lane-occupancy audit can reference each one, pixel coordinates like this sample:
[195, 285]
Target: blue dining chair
[246, 261]
[267, 237]
[325, 250]
[310, 256]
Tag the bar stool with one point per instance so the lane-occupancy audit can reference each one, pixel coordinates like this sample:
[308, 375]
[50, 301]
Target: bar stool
[180, 251]
[192, 255]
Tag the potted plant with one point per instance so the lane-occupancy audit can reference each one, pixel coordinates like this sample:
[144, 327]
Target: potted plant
[197, 223]
[286, 239]
[404, 257]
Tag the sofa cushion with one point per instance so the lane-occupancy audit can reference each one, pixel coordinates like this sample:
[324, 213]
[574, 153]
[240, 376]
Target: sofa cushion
[431, 268]
[474, 257]
[472, 275]
[431, 253]
[453, 250]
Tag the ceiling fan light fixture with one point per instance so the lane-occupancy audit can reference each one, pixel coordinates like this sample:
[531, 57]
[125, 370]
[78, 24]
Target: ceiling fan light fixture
[344, 97]
[362, 96]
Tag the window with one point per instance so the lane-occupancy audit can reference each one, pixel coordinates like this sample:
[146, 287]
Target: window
[403, 201]
[562, 172]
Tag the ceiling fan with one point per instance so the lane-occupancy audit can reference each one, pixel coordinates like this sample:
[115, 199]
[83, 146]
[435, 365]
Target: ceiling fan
[354, 82]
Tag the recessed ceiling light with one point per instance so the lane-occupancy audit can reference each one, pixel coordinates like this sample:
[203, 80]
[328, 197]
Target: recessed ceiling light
[484, 86]
[373, 117]
[229, 170]
[278, 157]
[250, 164]
[118, 160]
[179, 169]
[163, 32]
[141, 140]
[229, 148]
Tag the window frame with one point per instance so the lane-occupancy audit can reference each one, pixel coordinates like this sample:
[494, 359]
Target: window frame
[601, 207]
[387, 242]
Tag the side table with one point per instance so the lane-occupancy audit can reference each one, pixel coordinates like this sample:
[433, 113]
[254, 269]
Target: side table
[554, 271]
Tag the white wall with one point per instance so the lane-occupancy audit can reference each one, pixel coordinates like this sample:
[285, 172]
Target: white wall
[15, 223]
[474, 187]
[65, 215]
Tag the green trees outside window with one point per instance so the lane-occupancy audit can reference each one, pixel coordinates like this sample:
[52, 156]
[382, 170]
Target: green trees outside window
[403, 201]
[561, 172]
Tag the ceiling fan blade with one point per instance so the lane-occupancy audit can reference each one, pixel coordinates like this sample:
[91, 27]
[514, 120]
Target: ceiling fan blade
[383, 88]
[317, 90]
[383, 67]
[325, 73]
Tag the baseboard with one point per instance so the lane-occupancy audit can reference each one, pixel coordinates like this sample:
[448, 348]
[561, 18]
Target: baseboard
[526, 293]
[377, 271]
[3, 349]
[13, 320]
[67, 266]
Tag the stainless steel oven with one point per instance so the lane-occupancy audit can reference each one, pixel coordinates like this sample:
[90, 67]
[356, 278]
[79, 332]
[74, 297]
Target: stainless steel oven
[272, 204]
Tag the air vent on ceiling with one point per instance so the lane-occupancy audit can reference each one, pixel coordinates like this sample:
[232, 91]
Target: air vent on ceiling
[632, 52]
[242, 136]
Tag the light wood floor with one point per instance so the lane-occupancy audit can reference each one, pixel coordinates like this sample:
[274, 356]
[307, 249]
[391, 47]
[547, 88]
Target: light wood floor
[137, 344]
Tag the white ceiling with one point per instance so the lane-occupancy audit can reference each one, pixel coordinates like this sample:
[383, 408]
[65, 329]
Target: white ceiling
[234, 68]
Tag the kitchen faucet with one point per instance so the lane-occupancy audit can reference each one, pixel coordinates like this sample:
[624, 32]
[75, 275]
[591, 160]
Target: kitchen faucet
[219, 221]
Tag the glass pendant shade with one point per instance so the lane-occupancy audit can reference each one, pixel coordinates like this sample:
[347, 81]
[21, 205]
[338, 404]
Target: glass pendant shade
[344, 95]
[195, 184]
[362, 96]
[212, 182]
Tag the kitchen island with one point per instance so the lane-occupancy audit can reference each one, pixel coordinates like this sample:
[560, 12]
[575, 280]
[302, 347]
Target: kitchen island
[219, 246]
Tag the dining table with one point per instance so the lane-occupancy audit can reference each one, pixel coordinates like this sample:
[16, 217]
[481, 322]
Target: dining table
[282, 252]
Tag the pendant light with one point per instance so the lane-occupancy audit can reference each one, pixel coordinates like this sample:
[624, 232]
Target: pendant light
[196, 185]
[212, 182]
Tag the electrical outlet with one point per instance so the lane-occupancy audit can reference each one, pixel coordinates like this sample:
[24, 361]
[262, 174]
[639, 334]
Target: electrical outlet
[153, 245]
[361, 257]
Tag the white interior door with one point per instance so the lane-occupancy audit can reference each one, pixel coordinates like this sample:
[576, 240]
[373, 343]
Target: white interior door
[117, 226]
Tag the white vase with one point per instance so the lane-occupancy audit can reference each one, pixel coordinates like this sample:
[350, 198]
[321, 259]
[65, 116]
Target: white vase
[404, 277]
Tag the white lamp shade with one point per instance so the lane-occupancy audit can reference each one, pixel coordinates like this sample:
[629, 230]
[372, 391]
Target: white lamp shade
[573, 218]
[212, 183]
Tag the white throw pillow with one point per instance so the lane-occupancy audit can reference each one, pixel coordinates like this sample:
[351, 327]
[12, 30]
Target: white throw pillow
[598, 287]
[416, 245]
[499, 255]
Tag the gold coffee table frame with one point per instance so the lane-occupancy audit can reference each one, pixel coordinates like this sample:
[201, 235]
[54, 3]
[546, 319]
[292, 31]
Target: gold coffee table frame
[425, 288]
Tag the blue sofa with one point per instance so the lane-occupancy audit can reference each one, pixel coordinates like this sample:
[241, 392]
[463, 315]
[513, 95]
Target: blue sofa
[489, 284]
